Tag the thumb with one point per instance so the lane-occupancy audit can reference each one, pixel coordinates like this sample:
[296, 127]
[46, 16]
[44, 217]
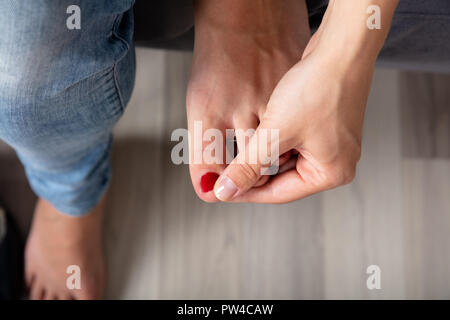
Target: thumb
[260, 157]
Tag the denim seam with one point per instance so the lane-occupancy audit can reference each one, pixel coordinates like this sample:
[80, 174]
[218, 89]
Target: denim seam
[119, 93]
[107, 68]
[127, 46]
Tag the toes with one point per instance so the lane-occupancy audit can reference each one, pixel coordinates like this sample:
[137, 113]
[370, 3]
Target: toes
[262, 181]
[284, 163]
[245, 126]
[65, 296]
[49, 295]
[61, 295]
[203, 178]
[207, 156]
[244, 129]
[88, 295]
[288, 165]
[29, 280]
[37, 291]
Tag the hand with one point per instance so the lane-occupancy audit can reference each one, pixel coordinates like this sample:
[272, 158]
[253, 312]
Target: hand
[318, 108]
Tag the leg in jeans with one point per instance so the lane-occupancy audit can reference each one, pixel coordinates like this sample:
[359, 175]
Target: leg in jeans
[61, 93]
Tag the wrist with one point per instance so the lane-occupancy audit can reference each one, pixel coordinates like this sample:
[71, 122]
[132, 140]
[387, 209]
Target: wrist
[346, 32]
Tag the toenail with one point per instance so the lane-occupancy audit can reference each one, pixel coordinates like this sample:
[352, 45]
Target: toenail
[208, 180]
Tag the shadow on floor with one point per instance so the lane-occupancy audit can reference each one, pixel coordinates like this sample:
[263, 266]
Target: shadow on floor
[134, 208]
[15, 191]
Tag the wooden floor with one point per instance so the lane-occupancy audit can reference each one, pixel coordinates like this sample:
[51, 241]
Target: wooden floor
[164, 243]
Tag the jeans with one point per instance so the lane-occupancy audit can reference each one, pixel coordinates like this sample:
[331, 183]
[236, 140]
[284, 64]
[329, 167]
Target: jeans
[62, 91]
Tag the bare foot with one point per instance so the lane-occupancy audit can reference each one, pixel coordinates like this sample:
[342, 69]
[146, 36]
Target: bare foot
[57, 241]
[236, 66]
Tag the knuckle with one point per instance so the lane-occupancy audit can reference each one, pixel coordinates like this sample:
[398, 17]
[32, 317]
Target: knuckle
[357, 153]
[349, 175]
[342, 174]
[248, 172]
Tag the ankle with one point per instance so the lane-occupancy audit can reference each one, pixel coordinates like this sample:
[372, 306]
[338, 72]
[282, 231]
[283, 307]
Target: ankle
[251, 17]
[241, 29]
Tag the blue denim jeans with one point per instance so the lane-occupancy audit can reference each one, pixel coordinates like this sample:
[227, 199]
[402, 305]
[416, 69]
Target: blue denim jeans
[62, 91]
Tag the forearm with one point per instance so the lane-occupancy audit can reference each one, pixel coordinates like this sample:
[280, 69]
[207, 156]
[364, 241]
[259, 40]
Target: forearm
[346, 29]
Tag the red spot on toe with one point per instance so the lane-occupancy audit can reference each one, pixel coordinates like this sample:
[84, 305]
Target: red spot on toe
[208, 180]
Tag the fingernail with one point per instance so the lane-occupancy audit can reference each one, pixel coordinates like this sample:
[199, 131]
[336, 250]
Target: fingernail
[225, 189]
[208, 180]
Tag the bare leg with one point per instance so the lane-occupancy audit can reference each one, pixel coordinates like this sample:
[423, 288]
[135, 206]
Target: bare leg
[57, 241]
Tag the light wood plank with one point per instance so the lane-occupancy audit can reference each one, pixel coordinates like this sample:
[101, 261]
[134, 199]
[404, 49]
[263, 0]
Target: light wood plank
[363, 221]
[163, 242]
